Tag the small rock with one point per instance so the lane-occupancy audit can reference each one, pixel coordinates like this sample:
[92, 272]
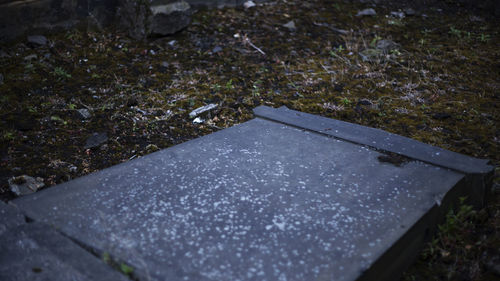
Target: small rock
[248, 4]
[164, 64]
[401, 110]
[386, 45]
[84, 113]
[95, 140]
[290, 25]
[24, 184]
[366, 12]
[198, 120]
[364, 102]
[410, 12]
[73, 168]
[37, 40]
[151, 148]
[476, 18]
[202, 109]
[441, 115]
[398, 14]
[216, 49]
[31, 57]
[370, 55]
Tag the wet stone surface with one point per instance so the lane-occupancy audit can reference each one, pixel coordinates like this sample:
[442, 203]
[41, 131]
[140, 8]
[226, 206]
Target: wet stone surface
[9, 217]
[36, 251]
[261, 200]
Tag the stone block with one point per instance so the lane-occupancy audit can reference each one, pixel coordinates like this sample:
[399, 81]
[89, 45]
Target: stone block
[285, 196]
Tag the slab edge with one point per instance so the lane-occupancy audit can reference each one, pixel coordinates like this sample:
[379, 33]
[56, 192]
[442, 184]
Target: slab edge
[376, 138]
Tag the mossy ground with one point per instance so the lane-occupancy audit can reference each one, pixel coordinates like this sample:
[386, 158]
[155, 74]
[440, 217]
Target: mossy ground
[439, 86]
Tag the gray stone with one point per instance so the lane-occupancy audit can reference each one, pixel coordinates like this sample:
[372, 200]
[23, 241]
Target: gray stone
[95, 140]
[157, 18]
[169, 18]
[290, 25]
[382, 48]
[31, 57]
[198, 120]
[134, 18]
[37, 40]
[217, 49]
[410, 12]
[10, 217]
[24, 184]
[84, 113]
[248, 4]
[366, 12]
[203, 109]
[35, 251]
[398, 14]
[287, 195]
[386, 45]
[371, 55]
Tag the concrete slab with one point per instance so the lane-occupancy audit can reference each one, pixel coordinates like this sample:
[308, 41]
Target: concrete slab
[10, 217]
[35, 251]
[262, 200]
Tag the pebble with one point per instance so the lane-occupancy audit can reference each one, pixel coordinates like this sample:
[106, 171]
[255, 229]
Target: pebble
[31, 57]
[248, 4]
[290, 25]
[95, 140]
[386, 45]
[84, 113]
[198, 120]
[365, 102]
[410, 12]
[366, 12]
[25, 184]
[398, 14]
[37, 40]
[216, 49]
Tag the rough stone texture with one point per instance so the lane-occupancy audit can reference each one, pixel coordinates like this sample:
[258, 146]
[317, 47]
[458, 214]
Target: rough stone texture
[298, 198]
[142, 19]
[19, 17]
[133, 18]
[169, 18]
[35, 251]
[10, 217]
[22, 16]
[25, 184]
[37, 40]
[95, 140]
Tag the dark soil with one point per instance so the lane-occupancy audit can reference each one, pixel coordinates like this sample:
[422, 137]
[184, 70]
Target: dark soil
[438, 83]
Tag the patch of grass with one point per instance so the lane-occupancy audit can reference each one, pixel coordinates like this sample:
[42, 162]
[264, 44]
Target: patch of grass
[126, 269]
[61, 74]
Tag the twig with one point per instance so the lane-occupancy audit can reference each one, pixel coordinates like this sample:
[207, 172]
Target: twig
[326, 69]
[246, 40]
